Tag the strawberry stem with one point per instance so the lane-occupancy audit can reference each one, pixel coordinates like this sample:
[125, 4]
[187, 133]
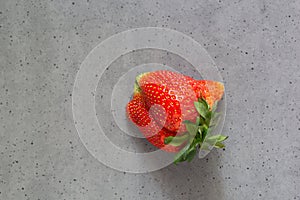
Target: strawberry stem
[199, 133]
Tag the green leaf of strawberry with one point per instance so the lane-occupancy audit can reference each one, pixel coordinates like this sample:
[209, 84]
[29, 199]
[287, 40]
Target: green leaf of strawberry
[202, 108]
[180, 156]
[215, 140]
[201, 132]
[191, 154]
[176, 140]
[219, 145]
[214, 107]
[191, 127]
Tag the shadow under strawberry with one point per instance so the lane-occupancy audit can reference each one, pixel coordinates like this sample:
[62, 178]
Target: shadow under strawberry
[202, 179]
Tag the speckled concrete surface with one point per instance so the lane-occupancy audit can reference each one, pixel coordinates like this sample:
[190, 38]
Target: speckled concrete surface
[256, 45]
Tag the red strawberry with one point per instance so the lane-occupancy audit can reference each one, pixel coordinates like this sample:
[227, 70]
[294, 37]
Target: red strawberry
[154, 133]
[176, 95]
[173, 93]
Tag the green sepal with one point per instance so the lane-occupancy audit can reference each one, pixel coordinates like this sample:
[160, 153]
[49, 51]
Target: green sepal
[202, 108]
[200, 136]
[191, 154]
[214, 107]
[204, 130]
[219, 145]
[191, 127]
[217, 138]
[186, 154]
[204, 102]
[177, 140]
[198, 120]
[179, 157]
[214, 119]
[215, 141]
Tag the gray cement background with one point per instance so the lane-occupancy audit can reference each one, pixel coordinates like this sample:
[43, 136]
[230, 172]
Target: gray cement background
[255, 43]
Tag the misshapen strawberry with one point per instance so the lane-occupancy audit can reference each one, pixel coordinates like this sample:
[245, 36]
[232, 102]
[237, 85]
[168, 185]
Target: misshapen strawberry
[177, 98]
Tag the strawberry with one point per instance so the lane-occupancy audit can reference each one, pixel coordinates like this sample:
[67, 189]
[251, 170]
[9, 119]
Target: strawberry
[173, 93]
[154, 133]
[166, 107]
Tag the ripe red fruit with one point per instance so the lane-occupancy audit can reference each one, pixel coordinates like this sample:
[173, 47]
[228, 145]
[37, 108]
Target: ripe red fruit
[154, 133]
[164, 100]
